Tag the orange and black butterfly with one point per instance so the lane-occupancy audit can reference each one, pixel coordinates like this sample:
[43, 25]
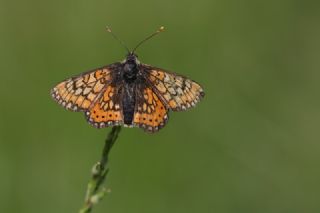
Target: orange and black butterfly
[128, 93]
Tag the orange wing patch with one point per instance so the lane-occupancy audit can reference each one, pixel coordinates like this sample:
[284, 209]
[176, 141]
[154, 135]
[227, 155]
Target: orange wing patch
[179, 93]
[107, 110]
[79, 92]
[151, 114]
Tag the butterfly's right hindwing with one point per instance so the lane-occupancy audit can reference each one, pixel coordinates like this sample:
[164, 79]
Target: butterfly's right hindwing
[151, 114]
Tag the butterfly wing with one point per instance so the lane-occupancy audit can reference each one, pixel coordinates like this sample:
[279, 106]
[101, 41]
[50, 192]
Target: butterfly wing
[151, 114]
[78, 93]
[178, 92]
[107, 110]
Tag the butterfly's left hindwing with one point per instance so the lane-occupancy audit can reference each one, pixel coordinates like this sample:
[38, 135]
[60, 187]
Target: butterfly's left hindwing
[107, 110]
[79, 92]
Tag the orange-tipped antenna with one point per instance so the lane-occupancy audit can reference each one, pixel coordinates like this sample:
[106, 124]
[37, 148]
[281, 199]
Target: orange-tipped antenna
[161, 29]
[115, 37]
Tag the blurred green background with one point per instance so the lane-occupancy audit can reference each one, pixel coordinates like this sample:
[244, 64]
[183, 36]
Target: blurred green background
[252, 144]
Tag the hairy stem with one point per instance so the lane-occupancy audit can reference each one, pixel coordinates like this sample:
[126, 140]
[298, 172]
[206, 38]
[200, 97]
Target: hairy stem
[98, 174]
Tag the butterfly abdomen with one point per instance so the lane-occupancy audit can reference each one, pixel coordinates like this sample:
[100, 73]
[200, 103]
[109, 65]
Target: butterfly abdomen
[128, 103]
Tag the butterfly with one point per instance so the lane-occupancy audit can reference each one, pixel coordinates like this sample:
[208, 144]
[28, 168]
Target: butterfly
[128, 93]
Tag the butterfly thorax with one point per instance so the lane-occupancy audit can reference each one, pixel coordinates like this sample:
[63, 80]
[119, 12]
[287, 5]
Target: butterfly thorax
[130, 71]
[130, 68]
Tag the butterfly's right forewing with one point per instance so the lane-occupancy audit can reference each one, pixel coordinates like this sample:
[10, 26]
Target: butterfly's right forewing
[178, 92]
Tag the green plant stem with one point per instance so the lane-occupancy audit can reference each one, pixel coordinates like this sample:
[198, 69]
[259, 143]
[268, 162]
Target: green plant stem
[98, 174]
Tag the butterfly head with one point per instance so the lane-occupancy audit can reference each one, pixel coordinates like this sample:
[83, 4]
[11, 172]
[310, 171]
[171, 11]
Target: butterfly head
[132, 58]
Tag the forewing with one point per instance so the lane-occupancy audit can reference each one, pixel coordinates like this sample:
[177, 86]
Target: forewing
[107, 110]
[151, 114]
[78, 93]
[178, 92]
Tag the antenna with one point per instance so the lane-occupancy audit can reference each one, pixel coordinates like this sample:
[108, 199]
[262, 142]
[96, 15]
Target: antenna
[115, 37]
[161, 29]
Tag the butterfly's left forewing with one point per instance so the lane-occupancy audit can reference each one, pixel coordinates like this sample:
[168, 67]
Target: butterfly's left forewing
[80, 92]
